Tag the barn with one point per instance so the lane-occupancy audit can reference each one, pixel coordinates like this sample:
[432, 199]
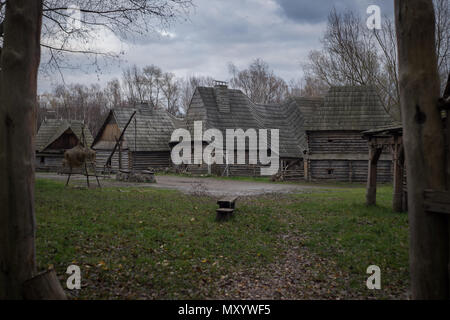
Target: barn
[334, 125]
[222, 108]
[54, 137]
[139, 136]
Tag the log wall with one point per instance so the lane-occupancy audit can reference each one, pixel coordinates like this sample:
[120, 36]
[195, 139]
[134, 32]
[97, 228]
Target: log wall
[337, 142]
[348, 171]
[48, 163]
[102, 156]
[156, 160]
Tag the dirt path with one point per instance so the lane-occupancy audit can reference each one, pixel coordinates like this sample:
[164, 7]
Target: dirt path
[192, 185]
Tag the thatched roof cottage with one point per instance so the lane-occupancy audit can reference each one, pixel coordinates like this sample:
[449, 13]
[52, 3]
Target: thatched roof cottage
[54, 138]
[145, 142]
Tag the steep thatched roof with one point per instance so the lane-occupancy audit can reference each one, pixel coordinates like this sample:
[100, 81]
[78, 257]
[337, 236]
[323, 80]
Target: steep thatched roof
[392, 130]
[223, 108]
[356, 108]
[149, 130]
[308, 107]
[52, 129]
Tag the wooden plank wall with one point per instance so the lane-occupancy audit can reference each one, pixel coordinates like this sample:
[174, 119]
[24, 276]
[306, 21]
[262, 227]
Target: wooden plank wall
[102, 156]
[337, 142]
[50, 163]
[156, 160]
[348, 171]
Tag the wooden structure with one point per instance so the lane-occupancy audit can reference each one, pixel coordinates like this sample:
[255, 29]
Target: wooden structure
[436, 201]
[80, 157]
[387, 139]
[54, 138]
[222, 108]
[335, 149]
[135, 139]
[390, 138]
[226, 208]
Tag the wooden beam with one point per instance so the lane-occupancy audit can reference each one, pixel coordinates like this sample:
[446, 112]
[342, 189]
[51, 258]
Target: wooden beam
[108, 162]
[371, 195]
[306, 169]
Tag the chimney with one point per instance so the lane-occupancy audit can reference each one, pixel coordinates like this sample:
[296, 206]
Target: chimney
[222, 98]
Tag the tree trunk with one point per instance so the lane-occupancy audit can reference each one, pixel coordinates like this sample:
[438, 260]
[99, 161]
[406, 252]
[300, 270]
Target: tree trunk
[424, 146]
[18, 85]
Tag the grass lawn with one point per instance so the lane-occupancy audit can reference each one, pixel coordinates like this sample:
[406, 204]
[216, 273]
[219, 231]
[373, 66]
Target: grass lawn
[145, 243]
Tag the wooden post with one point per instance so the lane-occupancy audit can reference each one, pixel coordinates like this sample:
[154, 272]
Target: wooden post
[120, 155]
[397, 202]
[423, 137]
[306, 169]
[350, 171]
[87, 173]
[371, 195]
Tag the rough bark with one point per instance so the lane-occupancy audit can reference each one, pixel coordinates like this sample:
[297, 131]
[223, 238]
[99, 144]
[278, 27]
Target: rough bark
[18, 85]
[398, 161]
[424, 146]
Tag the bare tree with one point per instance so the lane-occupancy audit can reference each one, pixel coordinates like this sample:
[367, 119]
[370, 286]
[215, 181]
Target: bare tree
[20, 42]
[72, 27]
[19, 63]
[307, 87]
[423, 136]
[259, 83]
[348, 56]
[188, 87]
[442, 10]
[387, 79]
[136, 86]
[354, 55]
[170, 88]
[152, 78]
[114, 94]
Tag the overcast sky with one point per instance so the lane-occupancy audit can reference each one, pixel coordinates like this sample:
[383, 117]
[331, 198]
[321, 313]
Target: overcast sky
[218, 32]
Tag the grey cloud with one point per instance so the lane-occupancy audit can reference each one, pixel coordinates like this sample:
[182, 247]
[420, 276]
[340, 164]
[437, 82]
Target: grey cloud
[316, 11]
[219, 32]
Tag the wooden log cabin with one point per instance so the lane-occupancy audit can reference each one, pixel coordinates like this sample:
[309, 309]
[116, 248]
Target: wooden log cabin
[335, 148]
[145, 142]
[54, 137]
[222, 108]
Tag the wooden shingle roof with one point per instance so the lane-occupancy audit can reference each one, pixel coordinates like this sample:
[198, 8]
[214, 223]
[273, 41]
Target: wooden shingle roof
[308, 108]
[356, 108]
[150, 129]
[244, 114]
[52, 129]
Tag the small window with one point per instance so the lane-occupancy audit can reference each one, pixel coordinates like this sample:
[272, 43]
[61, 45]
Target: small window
[330, 171]
[42, 160]
[330, 140]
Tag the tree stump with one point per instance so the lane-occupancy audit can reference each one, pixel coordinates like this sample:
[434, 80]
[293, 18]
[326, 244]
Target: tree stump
[44, 286]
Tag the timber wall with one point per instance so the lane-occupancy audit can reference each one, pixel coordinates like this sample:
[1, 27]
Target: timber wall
[156, 160]
[343, 156]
